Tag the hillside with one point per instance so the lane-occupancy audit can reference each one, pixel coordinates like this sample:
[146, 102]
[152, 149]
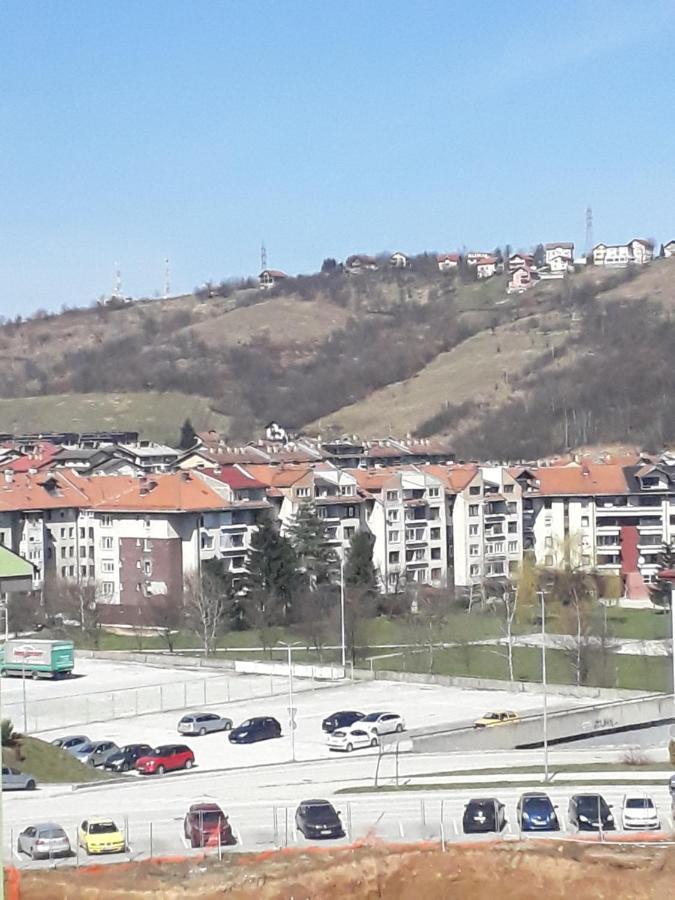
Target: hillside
[582, 360]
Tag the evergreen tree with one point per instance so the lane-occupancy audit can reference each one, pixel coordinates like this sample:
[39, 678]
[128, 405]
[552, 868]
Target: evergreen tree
[309, 536]
[188, 436]
[539, 255]
[272, 575]
[661, 592]
[359, 568]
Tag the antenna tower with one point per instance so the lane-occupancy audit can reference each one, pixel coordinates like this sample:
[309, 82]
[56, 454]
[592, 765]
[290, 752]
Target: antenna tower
[589, 230]
[117, 292]
[167, 279]
[263, 257]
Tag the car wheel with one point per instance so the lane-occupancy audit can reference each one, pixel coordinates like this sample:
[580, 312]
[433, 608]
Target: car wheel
[35, 676]
[189, 764]
[399, 727]
[125, 767]
[30, 785]
[373, 743]
[202, 732]
[228, 726]
[349, 748]
[160, 770]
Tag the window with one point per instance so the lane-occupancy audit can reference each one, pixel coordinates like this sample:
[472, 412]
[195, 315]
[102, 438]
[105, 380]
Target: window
[83, 533]
[435, 574]
[108, 587]
[349, 532]
[348, 490]
[394, 537]
[71, 533]
[63, 552]
[302, 492]
[83, 552]
[435, 534]
[71, 550]
[394, 556]
[71, 570]
[106, 543]
[584, 521]
[508, 488]
[91, 534]
[473, 509]
[473, 530]
[585, 560]
[106, 521]
[108, 566]
[322, 512]
[351, 512]
[64, 571]
[63, 533]
[434, 513]
[434, 492]
[497, 547]
[548, 542]
[547, 503]
[92, 571]
[474, 570]
[147, 567]
[513, 528]
[435, 552]
[83, 571]
[392, 495]
[474, 490]
[473, 549]
[513, 546]
[393, 515]
[548, 560]
[147, 545]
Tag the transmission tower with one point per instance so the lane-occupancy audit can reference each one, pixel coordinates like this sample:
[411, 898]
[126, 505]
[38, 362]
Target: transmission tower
[589, 230]
[167, 279]
[117, 290]
[263, 257]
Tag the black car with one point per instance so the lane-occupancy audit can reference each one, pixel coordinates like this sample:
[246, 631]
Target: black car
[125, 758]
[482, 815]
[342, 719]
[260, 728]
[588, 812]
[318, 819]
[535, 812]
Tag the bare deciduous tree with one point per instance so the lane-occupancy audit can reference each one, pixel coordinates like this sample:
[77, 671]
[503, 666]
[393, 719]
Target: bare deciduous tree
[208, 602]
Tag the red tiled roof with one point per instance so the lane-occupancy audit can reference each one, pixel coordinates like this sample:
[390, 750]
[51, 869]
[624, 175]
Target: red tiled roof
[175, 491]
[589, 478]
[487, 261]
[236, 477]
[23, 463]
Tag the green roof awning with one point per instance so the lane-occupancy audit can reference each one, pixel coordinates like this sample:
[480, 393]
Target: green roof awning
[16, 573]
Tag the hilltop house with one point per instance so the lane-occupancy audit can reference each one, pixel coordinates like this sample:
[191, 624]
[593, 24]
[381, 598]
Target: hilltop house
[359, 263]
[517, 260]
[636, 252]
[521, 279]
[669, 248]
[473, 257]
[399, 260]
[561, 249]
[486, 267]
[448, 261]
[268, 278]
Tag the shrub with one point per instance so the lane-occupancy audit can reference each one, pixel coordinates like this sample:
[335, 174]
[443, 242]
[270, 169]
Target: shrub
[7, 733]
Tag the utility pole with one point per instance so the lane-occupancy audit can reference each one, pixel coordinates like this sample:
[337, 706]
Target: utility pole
[543, 681]
[167, 279]
[263, 257]
[342, 609]
[589, 230]
[291, 709]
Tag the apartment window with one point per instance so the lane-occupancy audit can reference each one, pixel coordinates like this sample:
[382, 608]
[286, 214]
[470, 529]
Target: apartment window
[91, 571]
[71, 570]
[513, 528]
[63, 571]
[63, 552]
[83, 571]
[63, 533]
[435, 552]
[393, 515]
[498, 547]
[91, 534]
[322, 512]
[392, 495]
[584, 521]
[348, 490]
[83, 552]
[302, 492]
[474, 490]
[108, 566]
[83, 533]
[394, 556]
[71, 550]
[106, 543]
[548, 503]
[434, 513]
[474, 570]
[108, 587]
[351, 512]
[435, 534]
[394, 537]
[548, 542]
[508, 488]
[473, 530]
[434, 492]
[585, 560]
[147, 545]
[147, 567]
[513, 546]
[473, 549]
[548, 560]
[106, 521]
[473, 509]
[71, 533]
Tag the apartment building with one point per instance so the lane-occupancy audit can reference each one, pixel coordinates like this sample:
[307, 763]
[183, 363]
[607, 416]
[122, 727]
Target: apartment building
[406, 513]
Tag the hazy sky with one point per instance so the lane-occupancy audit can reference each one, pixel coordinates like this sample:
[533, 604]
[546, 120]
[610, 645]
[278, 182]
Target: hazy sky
[134, 130]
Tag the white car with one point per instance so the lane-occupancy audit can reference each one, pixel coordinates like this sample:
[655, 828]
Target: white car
[353, 738]
[639, 812]
[383, 723]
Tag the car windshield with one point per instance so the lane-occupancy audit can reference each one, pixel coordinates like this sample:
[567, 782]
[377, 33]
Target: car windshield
[639, 803]
[372, 717]
[590, 805]
[491, 716]
[484, 806]
[87, 748]
[538, 806]
[102, 828]
[210, 817]
[320, 812]
[338, 734]
[51, 833]
[188, 719]
[247, 724]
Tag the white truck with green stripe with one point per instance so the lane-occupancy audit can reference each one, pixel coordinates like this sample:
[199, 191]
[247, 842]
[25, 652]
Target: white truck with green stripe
[39, 659]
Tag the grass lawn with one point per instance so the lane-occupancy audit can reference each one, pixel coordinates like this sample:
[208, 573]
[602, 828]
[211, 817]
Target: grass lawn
[48, 764]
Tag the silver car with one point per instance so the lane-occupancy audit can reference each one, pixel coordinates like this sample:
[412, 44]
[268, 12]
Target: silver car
[13, 780]
[44, 841]
[203, 723]
[71, 741]
[95, 753]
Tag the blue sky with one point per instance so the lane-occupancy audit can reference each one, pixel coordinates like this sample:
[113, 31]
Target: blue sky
[133, 131]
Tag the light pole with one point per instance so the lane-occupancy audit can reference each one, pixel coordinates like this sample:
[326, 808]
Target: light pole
[342, 609]
[543, 681]
[291, 708]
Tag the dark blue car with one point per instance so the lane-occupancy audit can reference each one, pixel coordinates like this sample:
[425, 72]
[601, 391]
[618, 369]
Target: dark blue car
[535, 812]
[259, 728]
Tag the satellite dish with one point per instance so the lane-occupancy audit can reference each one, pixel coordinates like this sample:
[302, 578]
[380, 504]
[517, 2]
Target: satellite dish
[641, 560]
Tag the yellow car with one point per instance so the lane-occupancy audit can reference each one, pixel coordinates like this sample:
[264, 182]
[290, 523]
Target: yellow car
[495, 718]
[101, 836]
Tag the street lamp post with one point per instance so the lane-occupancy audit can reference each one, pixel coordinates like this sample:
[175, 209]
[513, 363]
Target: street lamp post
[543, 681]
[291, 708]
[342, 610]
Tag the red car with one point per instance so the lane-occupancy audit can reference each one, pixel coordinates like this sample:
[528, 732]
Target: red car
[206, 825]
[166, 759]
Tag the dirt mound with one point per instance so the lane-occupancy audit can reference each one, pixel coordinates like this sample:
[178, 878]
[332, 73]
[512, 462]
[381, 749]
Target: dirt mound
[514, 871]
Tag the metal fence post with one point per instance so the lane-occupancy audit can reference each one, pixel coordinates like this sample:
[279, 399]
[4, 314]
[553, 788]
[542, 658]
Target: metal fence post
[126, 832]
[228, 690]
[423, 813]
[136, 700]
[112, 706]
[150, 840]
[161, 698]
[286, 820]
[349, 820]
[185, 695]
[275, 821]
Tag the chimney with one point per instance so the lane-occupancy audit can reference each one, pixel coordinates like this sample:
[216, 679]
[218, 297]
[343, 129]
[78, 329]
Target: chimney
[9, 476]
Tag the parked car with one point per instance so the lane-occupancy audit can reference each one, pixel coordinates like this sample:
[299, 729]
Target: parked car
[482, 815]
[124, 758]
[100, 836]
[43, 841]
[13, 780]
[639, 812]
[71, 741]
[206, 825]
[342, 719]
[203, 723]
[260, 728]
[383, 722]
[318, 819]
[590, 812]
[94, 753]
[495, 718]
[167, 758]
[353, 738]
[535, 812]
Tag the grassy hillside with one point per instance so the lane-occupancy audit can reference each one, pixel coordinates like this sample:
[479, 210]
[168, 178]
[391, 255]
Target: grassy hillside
[584, 360]
[48, 764]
